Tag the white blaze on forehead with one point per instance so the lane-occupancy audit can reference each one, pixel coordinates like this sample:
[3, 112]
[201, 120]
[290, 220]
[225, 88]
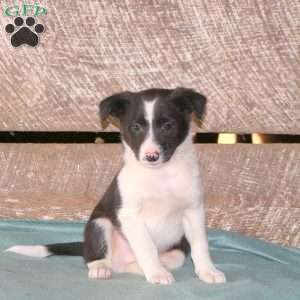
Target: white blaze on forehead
[149, 116]
[149, 144]
[149, 111]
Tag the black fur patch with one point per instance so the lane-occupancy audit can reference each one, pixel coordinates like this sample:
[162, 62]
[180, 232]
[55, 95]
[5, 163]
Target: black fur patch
[109, 204]
[95, 244]
[73, 249]
[134, 116]
[170, 126]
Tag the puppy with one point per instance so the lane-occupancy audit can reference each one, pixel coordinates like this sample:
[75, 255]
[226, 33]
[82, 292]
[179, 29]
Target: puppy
[152, 214]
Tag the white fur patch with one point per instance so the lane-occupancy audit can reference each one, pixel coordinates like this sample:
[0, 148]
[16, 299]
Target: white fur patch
[34, 251]
[100, 269]
[149, 145]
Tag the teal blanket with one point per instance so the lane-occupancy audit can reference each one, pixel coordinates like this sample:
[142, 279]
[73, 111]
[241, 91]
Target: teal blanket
[254, 269]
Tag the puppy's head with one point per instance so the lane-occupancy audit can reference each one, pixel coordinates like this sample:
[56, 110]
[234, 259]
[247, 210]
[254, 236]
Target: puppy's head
[154, 122]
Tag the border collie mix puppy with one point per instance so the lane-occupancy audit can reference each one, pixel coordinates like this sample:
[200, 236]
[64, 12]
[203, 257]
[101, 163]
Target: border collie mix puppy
[152, 214]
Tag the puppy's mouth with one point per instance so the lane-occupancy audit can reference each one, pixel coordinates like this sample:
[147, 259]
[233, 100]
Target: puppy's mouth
[153, 165]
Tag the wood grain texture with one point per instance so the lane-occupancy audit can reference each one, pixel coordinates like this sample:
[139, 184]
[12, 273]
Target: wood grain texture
[244, 56]
[253, 189]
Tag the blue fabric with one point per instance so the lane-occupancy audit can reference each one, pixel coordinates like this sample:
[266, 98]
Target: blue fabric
[254, 270]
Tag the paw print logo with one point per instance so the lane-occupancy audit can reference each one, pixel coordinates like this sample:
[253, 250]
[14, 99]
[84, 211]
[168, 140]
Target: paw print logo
[22, 34]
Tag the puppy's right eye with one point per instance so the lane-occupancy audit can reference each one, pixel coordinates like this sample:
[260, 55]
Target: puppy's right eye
[136, 128]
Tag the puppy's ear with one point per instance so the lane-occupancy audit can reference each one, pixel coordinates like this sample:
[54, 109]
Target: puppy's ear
[114, 105]
[190, 101]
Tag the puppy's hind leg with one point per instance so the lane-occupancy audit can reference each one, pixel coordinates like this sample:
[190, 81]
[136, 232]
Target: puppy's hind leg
[172, 259]
[98, 248]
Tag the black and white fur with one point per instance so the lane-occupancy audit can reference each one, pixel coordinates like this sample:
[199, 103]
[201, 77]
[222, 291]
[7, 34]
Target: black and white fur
[152, 214]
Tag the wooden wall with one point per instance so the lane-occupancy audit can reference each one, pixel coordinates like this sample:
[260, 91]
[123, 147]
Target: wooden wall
[249, 189]
[243, 56]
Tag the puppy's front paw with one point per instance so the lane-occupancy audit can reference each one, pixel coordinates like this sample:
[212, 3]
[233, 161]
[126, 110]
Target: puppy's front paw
[99, 272]
[211, 275]
[99, 269]
[161, 277]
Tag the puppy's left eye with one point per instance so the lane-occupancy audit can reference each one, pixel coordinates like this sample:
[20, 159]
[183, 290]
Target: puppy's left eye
[136, 128]
[166, 126]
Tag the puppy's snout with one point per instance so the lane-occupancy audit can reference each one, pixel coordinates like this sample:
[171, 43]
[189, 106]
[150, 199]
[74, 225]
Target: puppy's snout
[152, 156]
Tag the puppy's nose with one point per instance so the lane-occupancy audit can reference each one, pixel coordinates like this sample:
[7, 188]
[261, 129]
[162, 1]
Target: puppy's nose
[152, 156]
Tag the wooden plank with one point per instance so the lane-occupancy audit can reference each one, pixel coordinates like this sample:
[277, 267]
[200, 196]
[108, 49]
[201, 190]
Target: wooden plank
[244, 58]
[253, 189]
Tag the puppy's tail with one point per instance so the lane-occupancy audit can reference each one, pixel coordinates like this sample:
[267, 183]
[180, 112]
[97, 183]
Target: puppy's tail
[72, 249]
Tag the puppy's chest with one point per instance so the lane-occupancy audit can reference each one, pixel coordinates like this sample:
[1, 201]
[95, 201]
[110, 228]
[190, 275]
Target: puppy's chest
[159, 197]
[162, 209]
[176, 185]
[158, 193]
[163, 221]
